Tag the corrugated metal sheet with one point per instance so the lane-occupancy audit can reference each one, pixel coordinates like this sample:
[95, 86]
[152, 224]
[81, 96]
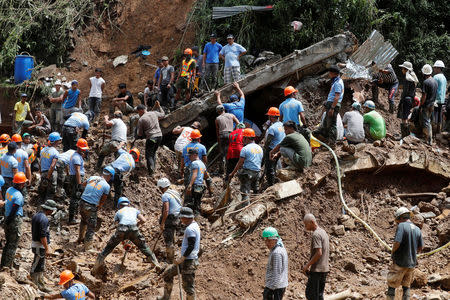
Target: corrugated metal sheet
[376, 49]
[224, 12]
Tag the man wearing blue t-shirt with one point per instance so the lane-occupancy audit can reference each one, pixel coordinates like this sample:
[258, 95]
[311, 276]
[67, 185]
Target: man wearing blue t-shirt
[75, 123]
[171, 201]
[250, 161]
[195, 189]
[236, 105]
[291, 109]
[94, 196]
[49, 158]
[211, 61]
[73, 290]
[328, 129]
[194, 144]
[76, 174]
[8, 166]
[123, 165]
[231, 53]
[129, 218]
[274, 135]
[71, 101]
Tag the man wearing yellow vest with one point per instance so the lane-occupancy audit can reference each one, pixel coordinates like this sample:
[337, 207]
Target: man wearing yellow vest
[183, 84]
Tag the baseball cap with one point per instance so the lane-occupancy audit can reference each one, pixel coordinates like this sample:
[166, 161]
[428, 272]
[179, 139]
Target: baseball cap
[213, 36]
[164, 58]
[230, 36]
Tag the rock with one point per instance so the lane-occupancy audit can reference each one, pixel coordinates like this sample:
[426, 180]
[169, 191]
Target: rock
[441, 196]
[249, 216]
[120, 60]
[377, 143]
[286, 174]
[418, 220]
[445, 282]
[420, 279]
[428, 207]
[371, 258]
[90, 280]
[49, 71]
[433, 278]
[347, 221]
[338, 229]
[443, 230]
[287, 189]
[428, 215]
[446, 203]
[351, 266]
[84, 63]
[446, 190]
[248, 59]
[73, 266]
[355, 210]
[433, 296]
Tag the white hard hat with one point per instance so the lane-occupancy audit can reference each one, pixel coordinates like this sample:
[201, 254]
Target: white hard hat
[58, 82]
[427, 69]
[439, 64]
[401, 211]
[163, 183]
[369, 104]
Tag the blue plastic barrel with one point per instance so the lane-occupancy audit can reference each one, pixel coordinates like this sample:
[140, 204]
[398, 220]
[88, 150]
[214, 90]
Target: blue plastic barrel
[23, 67]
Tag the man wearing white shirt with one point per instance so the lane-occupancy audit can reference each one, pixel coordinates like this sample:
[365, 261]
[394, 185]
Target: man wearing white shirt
[97, 85]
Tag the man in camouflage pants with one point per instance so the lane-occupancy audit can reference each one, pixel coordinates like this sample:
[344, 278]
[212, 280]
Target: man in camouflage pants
[129, 218]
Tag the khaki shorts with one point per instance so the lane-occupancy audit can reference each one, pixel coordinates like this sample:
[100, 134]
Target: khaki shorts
[399, 276]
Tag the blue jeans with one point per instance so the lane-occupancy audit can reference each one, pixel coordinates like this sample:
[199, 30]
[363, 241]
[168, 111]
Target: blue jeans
[94, 106]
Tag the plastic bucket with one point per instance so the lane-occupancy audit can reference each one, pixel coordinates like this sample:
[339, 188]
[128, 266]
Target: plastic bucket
[23, 67]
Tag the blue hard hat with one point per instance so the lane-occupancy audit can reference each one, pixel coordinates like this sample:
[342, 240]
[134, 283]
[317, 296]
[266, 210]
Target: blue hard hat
[2, 181]
[122, 201]
[109, 170]
[54, 136]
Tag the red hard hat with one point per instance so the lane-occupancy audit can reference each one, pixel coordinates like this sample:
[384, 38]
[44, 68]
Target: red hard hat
[20, 177]
[82, 144]
[136, 152]
[195, 134]
[273, 112]
[188, 51]
[289, 90]
[65, 277]
[248, 132]
[16, 138]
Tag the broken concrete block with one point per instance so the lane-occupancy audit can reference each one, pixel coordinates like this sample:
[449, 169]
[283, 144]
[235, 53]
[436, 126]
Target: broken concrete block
[120, 60]
[443, 231]
[355, 210]
[428, 207]
[428, 215]
[287, 174]
[338, 229]
[347, 221]
[287, 189]
[249, 216]
[433, 278]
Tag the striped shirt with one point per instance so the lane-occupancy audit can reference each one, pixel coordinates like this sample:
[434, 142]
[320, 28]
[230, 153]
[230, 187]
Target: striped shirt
[389, 78]
[277, 268]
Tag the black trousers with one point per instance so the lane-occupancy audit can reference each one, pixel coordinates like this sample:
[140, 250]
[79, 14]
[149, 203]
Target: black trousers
[276, 294]
[151, 146]
[69, 138]
[315, 285]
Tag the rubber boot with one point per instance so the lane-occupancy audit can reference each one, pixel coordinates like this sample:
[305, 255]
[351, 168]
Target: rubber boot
[170, 252]
[151, 258]
[42, 286]
[167, 291]
[81, 234]
[404, 129]
[391, 107]
[99, 263]
[406, 293]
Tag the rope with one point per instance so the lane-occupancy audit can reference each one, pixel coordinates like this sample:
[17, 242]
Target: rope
[383, 243]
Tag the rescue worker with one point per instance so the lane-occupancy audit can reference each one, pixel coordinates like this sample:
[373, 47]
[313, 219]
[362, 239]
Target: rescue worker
[224, 126]
[23, 164]
[188, 262]
[123, 165]
[2, 183]
[374, 124]
[9, 166]
[27, 145]
[4, 141]
[274, 135]
[169, 221]
[184, 81]
[202, 154]
[407, 243]
[40, 233]
[291, 109]
[386, 79]
[276, 279]
[250, 161]
[236, 105]
[75, 123]
[76, 174]
[118, 137]
[49, 158]
[183, 139]
[148, 128]
[93, 197]
[429, 91]
[235, 146]
[440, 95]
[73, 290]
[294, 147]
[62, 169]
[71, 102]
[332, 106]
[195, 189]
[406, 99]
[13, 218]
[129, 218]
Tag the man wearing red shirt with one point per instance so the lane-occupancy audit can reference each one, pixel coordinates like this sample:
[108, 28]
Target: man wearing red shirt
[234, 148]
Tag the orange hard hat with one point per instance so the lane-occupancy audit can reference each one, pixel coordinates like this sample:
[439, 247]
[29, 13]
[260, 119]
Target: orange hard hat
[273, 112]
[289, 90]
[188, 51]
[16, 138]
[4, 138]
[137, 152]
[82, 144]
[195, 134]
[248, 132]
[65, 277]
[20, 177]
